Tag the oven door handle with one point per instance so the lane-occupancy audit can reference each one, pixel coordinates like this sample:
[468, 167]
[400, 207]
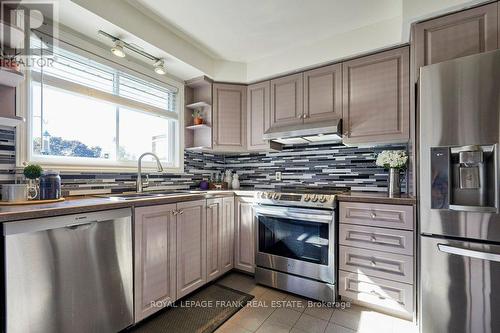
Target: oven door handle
[312, 215]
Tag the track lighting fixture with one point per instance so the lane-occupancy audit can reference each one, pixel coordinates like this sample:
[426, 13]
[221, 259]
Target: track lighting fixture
[119, 47]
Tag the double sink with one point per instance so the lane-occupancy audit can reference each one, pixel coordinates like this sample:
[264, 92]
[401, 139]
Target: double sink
[146, 195]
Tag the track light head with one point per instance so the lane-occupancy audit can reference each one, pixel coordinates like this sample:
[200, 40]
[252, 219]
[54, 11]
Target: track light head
[159, 67]
[118, 50]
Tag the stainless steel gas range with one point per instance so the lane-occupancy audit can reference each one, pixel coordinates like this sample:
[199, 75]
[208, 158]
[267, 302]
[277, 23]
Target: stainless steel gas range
[295, 243]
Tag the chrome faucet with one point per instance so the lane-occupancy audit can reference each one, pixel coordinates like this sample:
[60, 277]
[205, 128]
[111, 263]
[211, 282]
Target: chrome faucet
[139, 170]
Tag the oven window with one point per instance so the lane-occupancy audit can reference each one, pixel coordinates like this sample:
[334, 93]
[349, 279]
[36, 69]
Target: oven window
[295, 239]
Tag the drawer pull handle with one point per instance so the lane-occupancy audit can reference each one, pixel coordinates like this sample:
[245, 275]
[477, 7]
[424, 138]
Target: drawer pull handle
[374, 293]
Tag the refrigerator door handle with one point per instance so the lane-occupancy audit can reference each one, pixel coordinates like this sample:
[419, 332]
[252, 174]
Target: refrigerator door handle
[469, 253]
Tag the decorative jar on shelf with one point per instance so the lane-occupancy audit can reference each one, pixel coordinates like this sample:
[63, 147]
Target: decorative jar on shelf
[197, 117]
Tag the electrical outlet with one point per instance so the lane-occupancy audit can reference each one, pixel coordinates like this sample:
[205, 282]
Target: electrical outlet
[278, 176]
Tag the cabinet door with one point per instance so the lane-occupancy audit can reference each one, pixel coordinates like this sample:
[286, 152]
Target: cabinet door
[227, 234]
[191, 246]
[287, 100]
[323, 93]
[258, 115]
[214, 229]
[155, 263]
[245, 235]
[456, 35]
[229, 111]
[376, 98]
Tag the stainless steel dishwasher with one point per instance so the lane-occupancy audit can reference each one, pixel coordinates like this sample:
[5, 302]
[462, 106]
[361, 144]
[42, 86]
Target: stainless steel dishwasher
[69, 273]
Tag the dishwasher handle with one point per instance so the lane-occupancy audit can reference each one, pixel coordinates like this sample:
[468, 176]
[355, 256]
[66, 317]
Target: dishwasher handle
[469, 253]
[70, 221]
[81, 225]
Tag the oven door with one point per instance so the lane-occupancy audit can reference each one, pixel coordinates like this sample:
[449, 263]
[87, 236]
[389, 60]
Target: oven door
[298, 241]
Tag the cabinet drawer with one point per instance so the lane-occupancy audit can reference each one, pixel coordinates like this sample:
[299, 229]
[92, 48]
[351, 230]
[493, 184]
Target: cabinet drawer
[396, 267]
[381, 294]
[377, 215]
[381, 239]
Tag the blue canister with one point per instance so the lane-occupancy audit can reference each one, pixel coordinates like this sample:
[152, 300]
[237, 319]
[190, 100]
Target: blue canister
[50, 185]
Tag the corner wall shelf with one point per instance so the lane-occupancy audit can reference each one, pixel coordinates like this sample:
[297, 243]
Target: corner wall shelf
[10, 77]
[194, 127]
[196, 148]
[15, 35]
[197, 105]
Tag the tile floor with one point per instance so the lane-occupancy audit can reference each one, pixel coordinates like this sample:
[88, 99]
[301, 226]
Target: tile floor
[274, 311]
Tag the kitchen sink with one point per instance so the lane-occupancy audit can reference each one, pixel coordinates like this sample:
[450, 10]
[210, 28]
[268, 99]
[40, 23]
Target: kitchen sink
[143, 195]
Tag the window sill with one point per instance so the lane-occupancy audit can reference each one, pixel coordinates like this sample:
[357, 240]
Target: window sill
[103, 169]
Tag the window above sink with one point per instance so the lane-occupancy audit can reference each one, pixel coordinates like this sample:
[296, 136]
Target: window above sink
[86, 113]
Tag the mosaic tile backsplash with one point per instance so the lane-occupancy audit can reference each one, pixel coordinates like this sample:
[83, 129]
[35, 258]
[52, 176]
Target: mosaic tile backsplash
[302, 166]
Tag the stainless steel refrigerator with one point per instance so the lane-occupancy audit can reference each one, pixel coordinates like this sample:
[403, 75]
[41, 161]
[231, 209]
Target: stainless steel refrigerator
[459, 217]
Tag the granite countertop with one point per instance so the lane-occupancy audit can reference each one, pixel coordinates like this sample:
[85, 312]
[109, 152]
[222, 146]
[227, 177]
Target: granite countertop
[377, 197]
[83, 204]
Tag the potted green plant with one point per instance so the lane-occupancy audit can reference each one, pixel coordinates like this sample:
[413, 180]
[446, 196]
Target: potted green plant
[32, 172]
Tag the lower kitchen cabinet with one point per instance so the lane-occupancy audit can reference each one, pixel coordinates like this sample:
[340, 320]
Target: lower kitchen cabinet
[376, 259]
[155, 259]
[245, 235]
[220, 236]
[227, 235]
[214, 225]
[191, 246]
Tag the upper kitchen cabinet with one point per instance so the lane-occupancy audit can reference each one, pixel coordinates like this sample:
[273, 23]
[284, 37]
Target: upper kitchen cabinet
[456, 35]
[323, 93]
[229, 112]
[287, 107]
[259, 116]
[376, 98]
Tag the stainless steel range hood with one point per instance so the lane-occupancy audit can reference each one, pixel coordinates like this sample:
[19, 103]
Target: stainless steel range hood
[324, 131]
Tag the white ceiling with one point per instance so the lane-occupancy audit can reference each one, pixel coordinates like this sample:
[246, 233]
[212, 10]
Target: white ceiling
[86, 23]
[245, 31]
[250, 40]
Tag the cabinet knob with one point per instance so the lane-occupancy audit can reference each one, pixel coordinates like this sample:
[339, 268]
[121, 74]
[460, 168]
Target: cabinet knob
[373, 262]
[373, 215]
[373, 239]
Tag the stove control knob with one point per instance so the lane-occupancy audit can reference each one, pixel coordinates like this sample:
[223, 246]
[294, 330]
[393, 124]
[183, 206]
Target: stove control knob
[263, 195]
[314, 198]
[323, 198]
[276, 196]
[307, 197]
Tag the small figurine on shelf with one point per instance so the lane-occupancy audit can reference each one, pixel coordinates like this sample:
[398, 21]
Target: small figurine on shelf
[197, 117]
[236, 182]
[228, 179]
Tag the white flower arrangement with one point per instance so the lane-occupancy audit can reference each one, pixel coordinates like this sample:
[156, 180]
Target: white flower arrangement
[392, 159]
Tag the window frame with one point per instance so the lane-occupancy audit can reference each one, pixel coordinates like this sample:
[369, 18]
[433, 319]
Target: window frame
[24, 139]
